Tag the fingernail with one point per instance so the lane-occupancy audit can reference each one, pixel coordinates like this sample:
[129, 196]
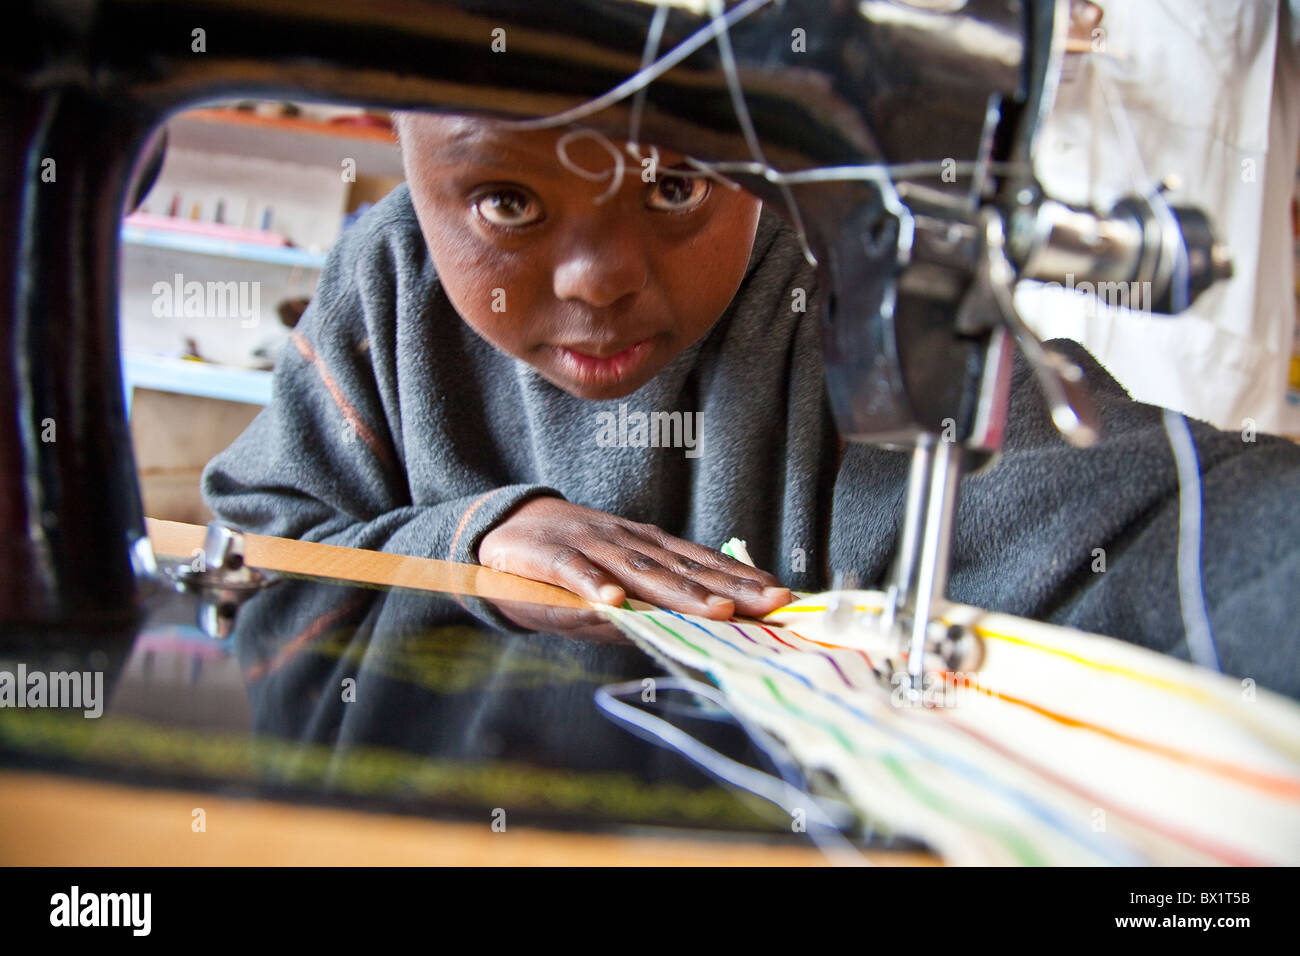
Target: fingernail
[777, 594]
[717, 601]
[611, 594]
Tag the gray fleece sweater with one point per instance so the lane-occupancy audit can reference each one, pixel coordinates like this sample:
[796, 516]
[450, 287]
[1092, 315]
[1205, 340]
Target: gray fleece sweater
[395, 427]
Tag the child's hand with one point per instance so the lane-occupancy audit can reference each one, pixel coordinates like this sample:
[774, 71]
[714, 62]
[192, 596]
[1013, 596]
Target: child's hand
[604, 559]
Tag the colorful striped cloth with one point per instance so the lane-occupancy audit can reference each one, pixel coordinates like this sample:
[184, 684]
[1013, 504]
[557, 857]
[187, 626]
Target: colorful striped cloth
[1061, 748]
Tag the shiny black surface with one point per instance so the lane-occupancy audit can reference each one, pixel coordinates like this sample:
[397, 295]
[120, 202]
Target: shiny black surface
[394, 700]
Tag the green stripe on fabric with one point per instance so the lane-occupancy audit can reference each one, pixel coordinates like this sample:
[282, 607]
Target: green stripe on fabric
[694, 647]
[1021, 848]
[834, 731]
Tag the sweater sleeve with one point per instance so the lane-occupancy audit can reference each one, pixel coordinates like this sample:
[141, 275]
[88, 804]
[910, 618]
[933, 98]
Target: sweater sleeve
[320, 462]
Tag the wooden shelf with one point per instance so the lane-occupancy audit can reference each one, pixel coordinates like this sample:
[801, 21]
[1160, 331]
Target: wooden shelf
[286, 139]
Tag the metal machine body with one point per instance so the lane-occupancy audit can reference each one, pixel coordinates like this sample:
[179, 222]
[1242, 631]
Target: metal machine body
[895, 134]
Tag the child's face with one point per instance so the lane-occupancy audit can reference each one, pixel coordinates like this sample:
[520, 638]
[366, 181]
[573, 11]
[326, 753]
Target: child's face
[598, 297]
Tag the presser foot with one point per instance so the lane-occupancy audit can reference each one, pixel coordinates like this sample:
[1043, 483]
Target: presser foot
[952, 652]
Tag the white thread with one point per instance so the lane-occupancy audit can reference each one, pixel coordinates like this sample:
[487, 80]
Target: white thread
[779, 792]
[732, 71]
[1191, 585]
[619, 171]
[615, 175]
[882, 173]
[642, 78]
[717, 31]
[653, 38]
[711, 173]
[1191, 580]
[719, 24]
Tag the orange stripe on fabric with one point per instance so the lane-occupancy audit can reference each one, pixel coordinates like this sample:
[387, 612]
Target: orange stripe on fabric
[1276, 786]
[841, 647]
[1225, 853]
[348, 410]
[1169, 685]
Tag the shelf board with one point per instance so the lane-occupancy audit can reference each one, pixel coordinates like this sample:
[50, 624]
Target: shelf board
[292, 124]
[227, 248]
[286, 139]
[141, 370]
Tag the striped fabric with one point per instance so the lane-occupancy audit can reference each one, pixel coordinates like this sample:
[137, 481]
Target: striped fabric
[1061, 748]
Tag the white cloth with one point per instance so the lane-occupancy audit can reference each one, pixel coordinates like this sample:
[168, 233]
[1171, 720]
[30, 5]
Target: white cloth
[1056, 747]
[1211, 94]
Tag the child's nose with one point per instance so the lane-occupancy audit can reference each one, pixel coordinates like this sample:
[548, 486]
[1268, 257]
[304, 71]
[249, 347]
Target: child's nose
[602, 271]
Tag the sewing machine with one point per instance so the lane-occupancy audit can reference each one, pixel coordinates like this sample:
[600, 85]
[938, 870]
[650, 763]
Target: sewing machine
[895, 134]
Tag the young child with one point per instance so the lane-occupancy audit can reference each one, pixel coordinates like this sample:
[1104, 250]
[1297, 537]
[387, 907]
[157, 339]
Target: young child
[528, 363]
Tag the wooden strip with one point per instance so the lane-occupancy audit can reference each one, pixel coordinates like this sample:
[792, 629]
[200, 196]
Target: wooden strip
[178, 540]
[53, 821]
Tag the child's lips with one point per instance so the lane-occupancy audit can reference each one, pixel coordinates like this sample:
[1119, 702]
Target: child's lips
[604, 369]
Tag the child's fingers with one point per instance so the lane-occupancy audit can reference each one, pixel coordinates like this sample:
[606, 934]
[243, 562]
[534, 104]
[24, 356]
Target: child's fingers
[572, 569]
[643, 576]
[708, 557]
[604, 559]
[562, 565]
[752, 597]
[606, 574]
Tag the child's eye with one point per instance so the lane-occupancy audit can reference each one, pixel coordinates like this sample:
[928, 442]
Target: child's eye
[508, 207]
[678, 193]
